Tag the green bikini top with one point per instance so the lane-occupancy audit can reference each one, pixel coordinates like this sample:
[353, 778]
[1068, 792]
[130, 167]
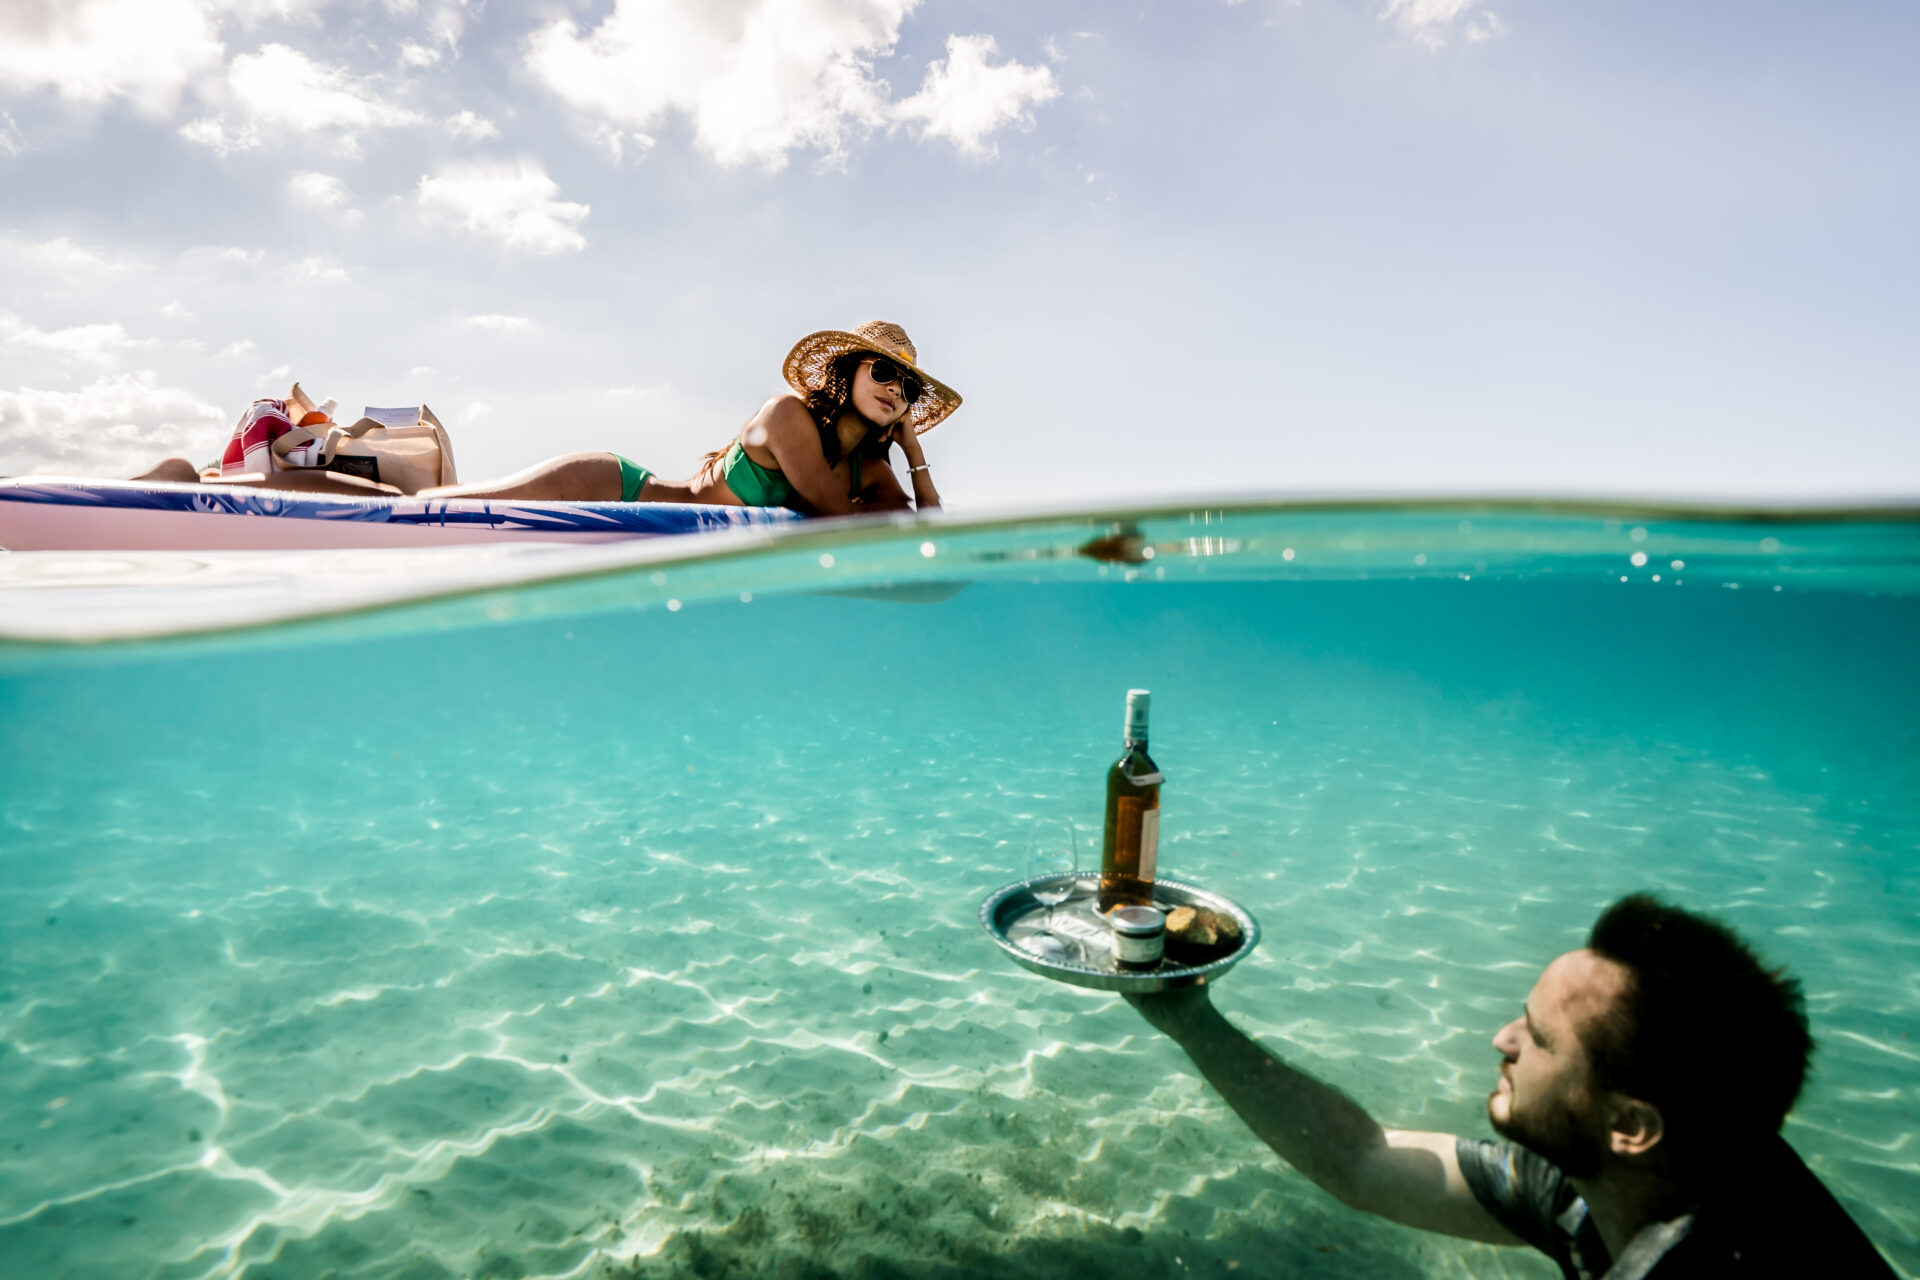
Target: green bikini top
[758, 486]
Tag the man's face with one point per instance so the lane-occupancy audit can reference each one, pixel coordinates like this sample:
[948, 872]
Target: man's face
[1546, 1099]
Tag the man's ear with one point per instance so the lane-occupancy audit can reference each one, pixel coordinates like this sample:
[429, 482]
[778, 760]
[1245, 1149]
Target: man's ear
[1635, 1127]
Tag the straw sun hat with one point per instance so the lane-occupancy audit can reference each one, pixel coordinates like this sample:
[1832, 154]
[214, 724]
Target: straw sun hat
[808, 363]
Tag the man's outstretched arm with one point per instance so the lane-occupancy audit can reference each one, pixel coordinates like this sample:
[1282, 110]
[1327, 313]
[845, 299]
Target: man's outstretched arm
[1411, 1178]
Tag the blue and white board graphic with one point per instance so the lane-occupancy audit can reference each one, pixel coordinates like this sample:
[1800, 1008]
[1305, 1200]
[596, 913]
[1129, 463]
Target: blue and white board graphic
[55, 513]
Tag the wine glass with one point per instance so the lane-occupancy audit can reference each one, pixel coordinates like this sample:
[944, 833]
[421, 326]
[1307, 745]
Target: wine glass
[1053, 850]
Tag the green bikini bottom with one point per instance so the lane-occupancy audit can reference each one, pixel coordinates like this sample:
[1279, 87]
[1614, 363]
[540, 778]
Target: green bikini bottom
[753, 484]
[633, 477]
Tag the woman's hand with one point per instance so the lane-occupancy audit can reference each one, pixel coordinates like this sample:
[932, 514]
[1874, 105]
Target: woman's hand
[925, 496]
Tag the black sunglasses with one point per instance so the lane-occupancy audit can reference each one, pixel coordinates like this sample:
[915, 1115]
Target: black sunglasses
[885, 371]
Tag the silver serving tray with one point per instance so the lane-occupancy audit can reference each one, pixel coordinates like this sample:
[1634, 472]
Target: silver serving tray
[1011, 915]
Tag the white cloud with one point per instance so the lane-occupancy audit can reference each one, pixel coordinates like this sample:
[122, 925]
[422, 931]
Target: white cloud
[235, 349]
[757, 78]
[512, 203]
[449, 22]
[91, 51]
[12, 143]
[1428, 21]
[616, 140]
[252, 12]
[176, 310]
[966, 100]
[87, 343]
[474, 412]
[318, 190]
[212, 133]
[422, 371]
[281, 90]
[69, 255]
[418, 55]
[473, 128]
[502, 324]
[116, 425]
[1486, 27]
[223, 255]
[316, 271]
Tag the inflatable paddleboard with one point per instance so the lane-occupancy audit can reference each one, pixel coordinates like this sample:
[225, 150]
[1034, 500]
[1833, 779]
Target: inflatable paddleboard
[55, 513]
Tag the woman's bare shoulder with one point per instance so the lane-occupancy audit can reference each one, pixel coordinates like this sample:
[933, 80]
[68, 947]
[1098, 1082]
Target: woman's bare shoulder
[786, 406]
[784, 415]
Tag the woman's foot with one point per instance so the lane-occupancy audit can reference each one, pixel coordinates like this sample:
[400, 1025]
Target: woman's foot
[173, 471]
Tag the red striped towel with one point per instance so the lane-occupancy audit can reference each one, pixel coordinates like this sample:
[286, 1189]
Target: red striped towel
[251, 446]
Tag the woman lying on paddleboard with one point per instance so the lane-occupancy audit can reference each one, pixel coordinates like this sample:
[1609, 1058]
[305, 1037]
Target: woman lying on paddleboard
[821, 448]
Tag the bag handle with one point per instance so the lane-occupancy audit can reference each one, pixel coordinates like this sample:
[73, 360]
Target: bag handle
[447, 469]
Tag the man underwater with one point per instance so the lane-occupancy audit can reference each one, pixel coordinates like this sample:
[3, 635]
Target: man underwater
[1640, 1100]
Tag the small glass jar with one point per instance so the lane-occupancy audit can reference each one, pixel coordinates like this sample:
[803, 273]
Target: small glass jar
[1139, 936]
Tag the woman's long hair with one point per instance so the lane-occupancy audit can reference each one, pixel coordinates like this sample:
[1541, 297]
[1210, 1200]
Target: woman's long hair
[826, 405]
[830, 401]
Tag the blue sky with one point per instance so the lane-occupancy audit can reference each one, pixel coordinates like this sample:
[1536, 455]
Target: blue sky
[1162, 249]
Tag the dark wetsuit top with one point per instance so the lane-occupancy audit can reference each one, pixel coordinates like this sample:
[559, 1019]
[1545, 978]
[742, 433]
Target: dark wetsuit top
[1771, 1218]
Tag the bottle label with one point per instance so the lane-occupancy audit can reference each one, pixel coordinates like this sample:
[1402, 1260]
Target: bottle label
[1149, 842]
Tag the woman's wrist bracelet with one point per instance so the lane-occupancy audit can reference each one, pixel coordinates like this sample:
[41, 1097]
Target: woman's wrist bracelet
[912, 470]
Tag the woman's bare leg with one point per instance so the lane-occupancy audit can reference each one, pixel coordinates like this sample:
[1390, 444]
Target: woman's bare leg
[658, 490]
[314, 480]
[573, 477]
[303, 480]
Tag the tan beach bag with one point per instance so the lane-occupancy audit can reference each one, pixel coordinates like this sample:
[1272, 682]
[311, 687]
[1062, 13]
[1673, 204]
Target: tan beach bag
[407, 449]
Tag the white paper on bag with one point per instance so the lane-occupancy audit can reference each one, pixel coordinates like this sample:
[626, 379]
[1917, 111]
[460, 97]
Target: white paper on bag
[403, 416]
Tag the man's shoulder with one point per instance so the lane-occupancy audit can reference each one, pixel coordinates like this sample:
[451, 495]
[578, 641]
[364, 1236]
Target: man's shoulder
[1523, 1190]
[1767, 1217]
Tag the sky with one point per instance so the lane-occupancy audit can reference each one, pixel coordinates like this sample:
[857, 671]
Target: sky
[1164, 250]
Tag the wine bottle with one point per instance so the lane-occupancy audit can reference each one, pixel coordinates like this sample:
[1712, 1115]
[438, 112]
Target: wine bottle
[1131, 843]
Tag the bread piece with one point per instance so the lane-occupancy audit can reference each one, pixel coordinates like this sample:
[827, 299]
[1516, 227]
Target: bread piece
[1197, 935]
[1225, 928]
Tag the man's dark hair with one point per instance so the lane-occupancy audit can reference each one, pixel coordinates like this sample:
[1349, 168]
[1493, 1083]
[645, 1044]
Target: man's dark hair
[1703, 1030]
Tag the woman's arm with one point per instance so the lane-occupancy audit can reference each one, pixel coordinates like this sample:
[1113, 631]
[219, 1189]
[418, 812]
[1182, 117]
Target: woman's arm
[882, 491]
[925, 496]
[794, 442]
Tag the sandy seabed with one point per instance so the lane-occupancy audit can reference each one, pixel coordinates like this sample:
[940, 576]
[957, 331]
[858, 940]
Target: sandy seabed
[658, 986]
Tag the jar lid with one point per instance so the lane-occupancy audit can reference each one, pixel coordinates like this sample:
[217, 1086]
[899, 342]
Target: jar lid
[1138, 922]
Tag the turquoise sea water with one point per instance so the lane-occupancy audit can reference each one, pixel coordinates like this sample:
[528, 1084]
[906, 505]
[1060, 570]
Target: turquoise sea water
[619, 925]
